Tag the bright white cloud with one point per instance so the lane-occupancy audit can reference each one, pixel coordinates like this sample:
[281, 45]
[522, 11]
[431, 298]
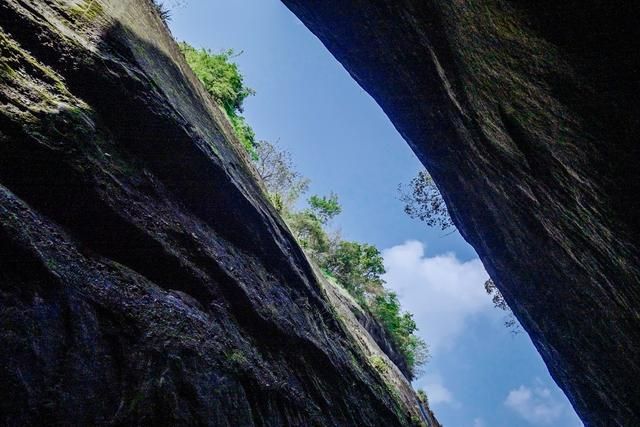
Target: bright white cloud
[437, 392]
[441, 291]
[535, 405]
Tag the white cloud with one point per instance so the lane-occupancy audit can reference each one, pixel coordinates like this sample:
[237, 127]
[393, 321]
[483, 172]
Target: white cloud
[437, 393]
[441, 291]
[478, 422]
[537, 406]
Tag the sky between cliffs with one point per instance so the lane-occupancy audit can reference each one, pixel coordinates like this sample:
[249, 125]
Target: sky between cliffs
[480, 374]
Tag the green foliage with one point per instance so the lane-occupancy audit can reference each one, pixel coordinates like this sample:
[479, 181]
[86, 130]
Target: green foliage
[325, 208]
[223, 81]
[308, 225]
[379, 364]
[358, 267]
[307, 229]
[220, 76]
[245, 134]
[422, 397]
[402, 327]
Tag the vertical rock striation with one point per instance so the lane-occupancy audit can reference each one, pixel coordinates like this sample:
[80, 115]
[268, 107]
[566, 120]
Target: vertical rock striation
[527, 116]
[144, 279]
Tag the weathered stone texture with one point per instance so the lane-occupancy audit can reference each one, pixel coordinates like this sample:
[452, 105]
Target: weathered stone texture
[144, 279]
[527, 116]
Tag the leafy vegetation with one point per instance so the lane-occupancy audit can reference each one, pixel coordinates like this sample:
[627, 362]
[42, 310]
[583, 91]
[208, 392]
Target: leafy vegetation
[325, 208]
[223, 81]
[357, 267]
[308, 230]
[379, 364]
[402, 327]
[422, 397]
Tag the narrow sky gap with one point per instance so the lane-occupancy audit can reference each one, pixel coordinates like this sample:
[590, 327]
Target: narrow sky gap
[480, 374]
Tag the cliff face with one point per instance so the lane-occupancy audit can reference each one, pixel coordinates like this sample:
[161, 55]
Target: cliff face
[382, 337]
[144, 279]
[526, 115]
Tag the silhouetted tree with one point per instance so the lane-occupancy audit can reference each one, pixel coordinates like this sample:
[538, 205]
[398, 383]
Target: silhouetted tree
[499, 302]
[422, 200]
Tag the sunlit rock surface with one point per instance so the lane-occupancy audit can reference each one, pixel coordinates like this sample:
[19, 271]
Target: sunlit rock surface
[144, 279]
[527, 116]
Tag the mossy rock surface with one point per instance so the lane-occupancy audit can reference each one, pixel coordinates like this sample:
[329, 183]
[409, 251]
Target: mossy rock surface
[145, 279]
[527, 116]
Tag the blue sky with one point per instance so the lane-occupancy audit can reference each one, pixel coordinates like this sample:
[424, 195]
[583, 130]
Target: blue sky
[480, 374]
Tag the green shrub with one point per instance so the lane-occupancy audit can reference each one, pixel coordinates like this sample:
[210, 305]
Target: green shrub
[402, 328]
[357, 267]
[307, 229]
[379, 364]
[223, 81]
[245, 134]
[325, 208]
[422, 397]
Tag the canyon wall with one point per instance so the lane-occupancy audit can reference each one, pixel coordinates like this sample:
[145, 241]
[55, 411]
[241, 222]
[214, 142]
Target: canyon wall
[144, 278]
[527, 116]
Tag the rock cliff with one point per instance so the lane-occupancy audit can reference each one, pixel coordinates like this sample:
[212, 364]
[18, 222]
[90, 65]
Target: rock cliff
[144, 278]
[527, 116]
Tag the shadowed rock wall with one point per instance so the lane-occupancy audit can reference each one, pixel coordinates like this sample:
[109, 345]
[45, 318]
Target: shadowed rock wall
[527, 116]
[144, 278]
